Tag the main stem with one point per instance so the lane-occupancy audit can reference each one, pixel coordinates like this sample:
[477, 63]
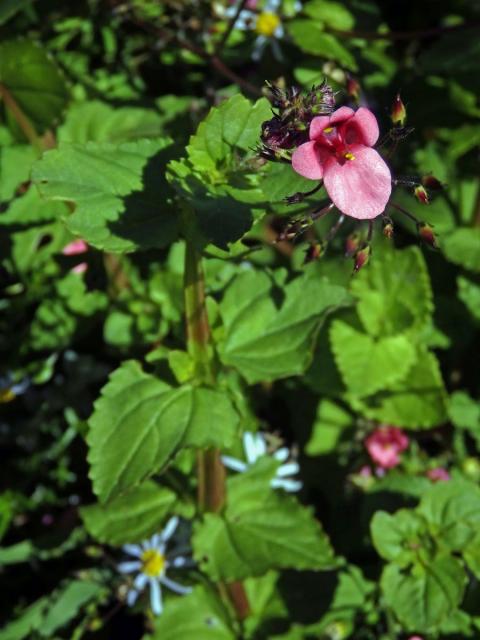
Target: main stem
[211, 472]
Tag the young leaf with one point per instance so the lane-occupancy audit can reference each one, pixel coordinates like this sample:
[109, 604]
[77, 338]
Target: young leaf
[66, 606]
[140, 423]
[370, 364]
[269, 333]
[424, 598]
[122, 202]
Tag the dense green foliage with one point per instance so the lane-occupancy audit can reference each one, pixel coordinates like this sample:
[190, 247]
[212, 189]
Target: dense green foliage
[133, 128]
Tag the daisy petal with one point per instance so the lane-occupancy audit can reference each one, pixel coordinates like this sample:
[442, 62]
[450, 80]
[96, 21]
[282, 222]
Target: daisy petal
[250, 446]
[156, 597]
[140, 582]
[169, 529]
[288, 485]
[174, 586]
[234, 464]
[281, 454]
[129, 567]
[289, 469]
[132, 596]
[361, 187]
[133, 550]
[260, 446]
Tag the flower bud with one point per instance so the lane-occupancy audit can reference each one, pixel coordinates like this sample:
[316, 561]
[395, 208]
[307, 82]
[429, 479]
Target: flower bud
[421, 194]
[399, 112]
[432, 183]
[426, 233]
[314, 252]
[387, 227]
[352, 243]
[294, 229]
[353, 87]
[362, 257]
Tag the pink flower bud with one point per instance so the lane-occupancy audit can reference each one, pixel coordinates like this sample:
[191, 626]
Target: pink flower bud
[421, 194]
[362, 257]
[352, 244]
[432, 183]
[314, 252]
[353, 87]
[426, 233]
[399, 112]
[388, 228]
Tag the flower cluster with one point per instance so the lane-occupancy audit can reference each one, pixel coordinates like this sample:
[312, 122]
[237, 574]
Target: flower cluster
[339, 149]
[385, 445]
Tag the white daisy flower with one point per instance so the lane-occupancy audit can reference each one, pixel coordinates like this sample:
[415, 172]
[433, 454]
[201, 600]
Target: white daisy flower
[266, 21]
[255, 447]
[151, 563]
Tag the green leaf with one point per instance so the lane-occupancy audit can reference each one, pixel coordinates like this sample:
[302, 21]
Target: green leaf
[310, 37]
[15, 164]
[333, 14]
[464, 412]
[29, 620]
[197, 616]
[134, 516]
[397, 537]
[453, 512]
[75, 595]
[417, 402]
[462, 247]
[394, 293]
[30, 75]
[330, 423]
[140, 423]
[422, 599]
[99, 122]
[370, 364]
[270, 333]
[122, 201]
[260, 530]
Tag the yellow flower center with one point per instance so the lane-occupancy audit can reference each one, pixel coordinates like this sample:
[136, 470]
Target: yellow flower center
[153, 563]
[267, 24]
[328, 130]
[349, 156]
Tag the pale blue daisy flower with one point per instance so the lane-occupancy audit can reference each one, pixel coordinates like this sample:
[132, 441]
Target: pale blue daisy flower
[255, 447]
[151, 563]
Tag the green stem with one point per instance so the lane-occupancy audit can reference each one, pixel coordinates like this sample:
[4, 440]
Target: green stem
[211, 472]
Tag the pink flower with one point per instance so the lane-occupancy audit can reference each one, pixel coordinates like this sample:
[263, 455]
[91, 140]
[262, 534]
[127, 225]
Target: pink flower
[340, 152]
[385, 445]
[415, 638]
[438, 474]
[75, 248]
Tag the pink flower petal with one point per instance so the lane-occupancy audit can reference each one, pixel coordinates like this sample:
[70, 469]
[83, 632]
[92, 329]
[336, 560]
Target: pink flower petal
[75, 248]
[306, 161]
[317, 126]
[340, 115]
[362, 128]
[361, 187]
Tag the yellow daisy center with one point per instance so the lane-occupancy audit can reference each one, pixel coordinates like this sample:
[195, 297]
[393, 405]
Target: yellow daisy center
[267, 24]
[153, 563]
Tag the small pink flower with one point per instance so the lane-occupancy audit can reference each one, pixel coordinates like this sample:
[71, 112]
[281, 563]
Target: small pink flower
[438, 474]
[415, 638]
[385, 445]
[340, 152]
[75, 248]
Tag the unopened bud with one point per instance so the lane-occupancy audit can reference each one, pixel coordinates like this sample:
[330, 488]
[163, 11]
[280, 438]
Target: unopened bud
[399, 112]
[426, 233]
[388, 227]
[314, 252]
[362, 257]
[353, 87]
[432, 183]
[421, 194]
[352, 243]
